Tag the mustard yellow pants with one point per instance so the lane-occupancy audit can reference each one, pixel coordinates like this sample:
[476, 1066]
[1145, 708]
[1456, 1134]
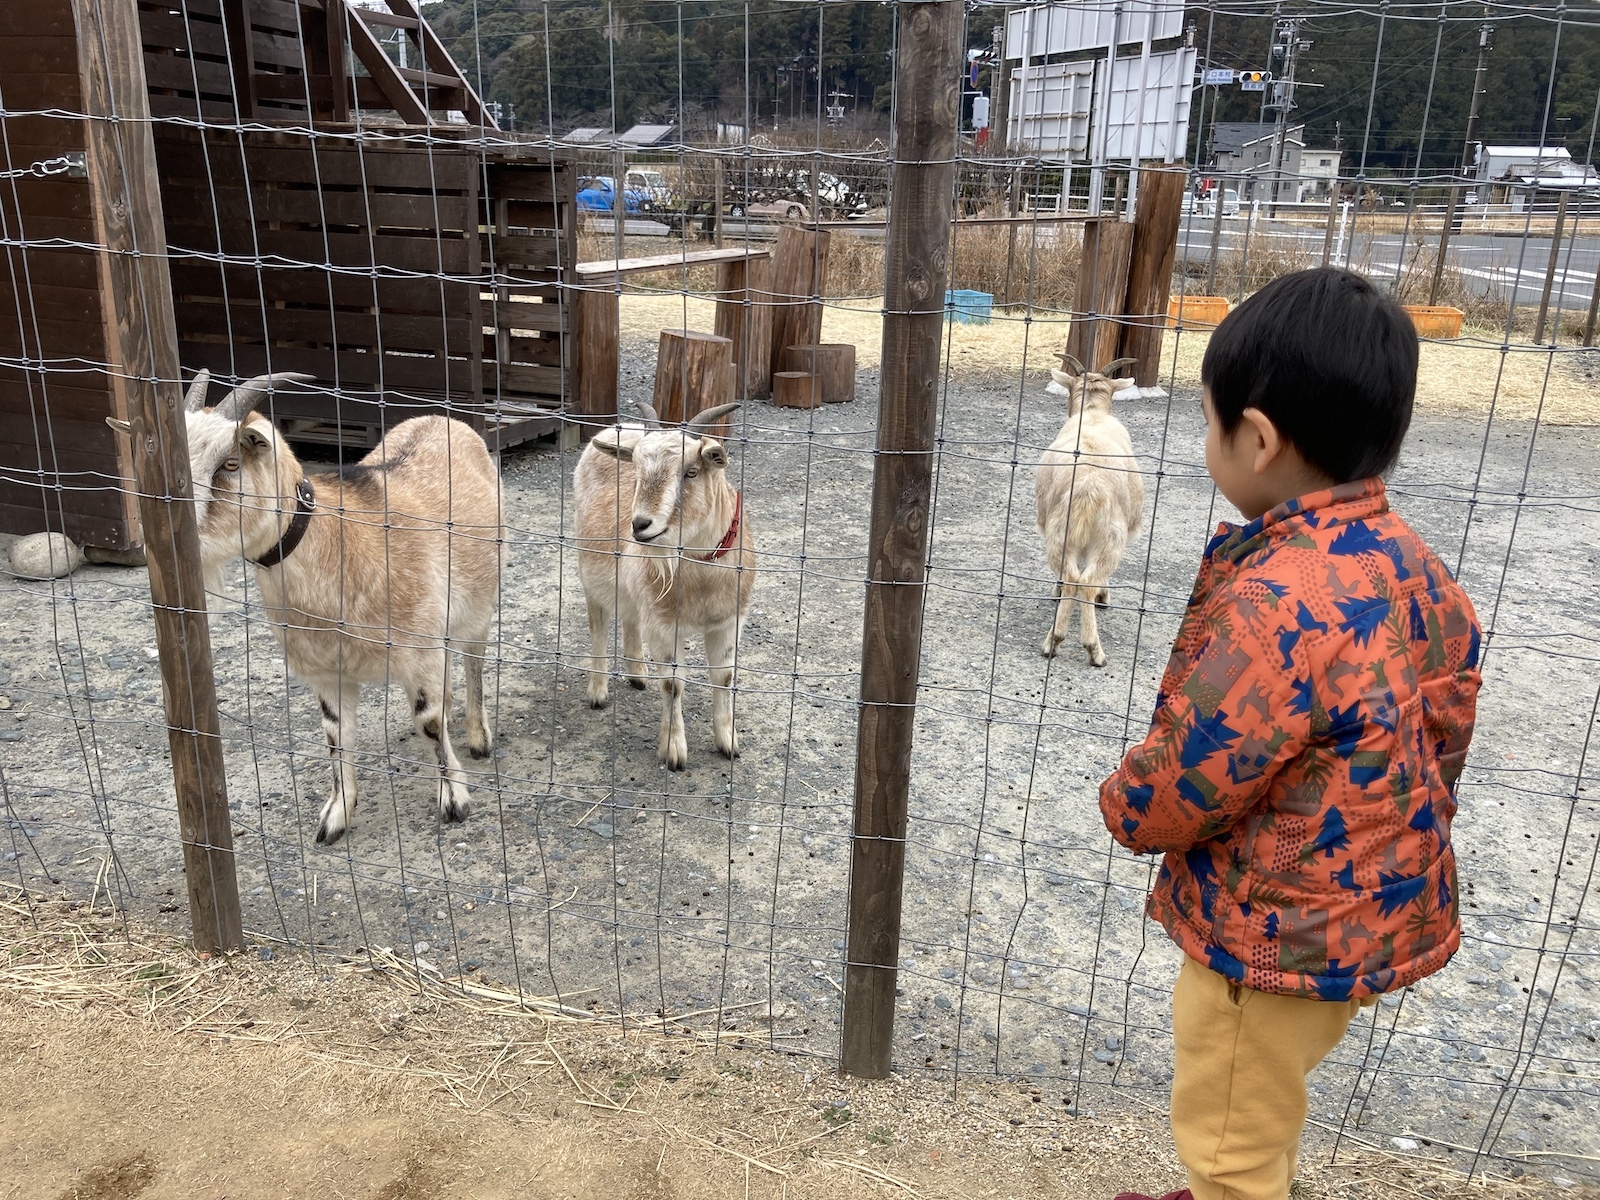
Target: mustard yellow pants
[1239, 1081]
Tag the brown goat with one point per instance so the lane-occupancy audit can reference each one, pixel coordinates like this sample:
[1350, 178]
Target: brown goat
[371, 575]
[666, 546]
[1089, 499]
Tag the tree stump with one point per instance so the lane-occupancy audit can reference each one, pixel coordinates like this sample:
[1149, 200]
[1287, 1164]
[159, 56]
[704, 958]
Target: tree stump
[694, 372]
[1102, 291]
[796, 389]
[832, 362]
[744, 317]
[799, 271]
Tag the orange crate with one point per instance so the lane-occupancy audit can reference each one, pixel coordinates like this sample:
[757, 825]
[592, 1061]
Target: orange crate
[1197, 310]
[1435, 320]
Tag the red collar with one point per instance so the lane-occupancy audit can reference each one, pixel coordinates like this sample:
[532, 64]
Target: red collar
[729, 538]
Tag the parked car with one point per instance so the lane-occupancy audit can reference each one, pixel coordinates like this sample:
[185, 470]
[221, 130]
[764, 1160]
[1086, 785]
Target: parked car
[834, 195]
[599, 195]
[791, 210]
[650, 182]
[1230, 203]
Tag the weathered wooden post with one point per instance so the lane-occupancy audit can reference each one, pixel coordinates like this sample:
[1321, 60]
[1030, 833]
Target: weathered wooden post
[1555, 261]
[1102, 295]
[694, 372]
[142, 344]
[744, 317]
[799, 273]
[927, 81]
[1158, 211]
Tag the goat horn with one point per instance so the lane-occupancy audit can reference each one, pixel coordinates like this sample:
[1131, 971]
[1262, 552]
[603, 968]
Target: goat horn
[651, 420]
[242, 401]
[195, 398]
[711, 416]
[1115, 363]
[1071, 365]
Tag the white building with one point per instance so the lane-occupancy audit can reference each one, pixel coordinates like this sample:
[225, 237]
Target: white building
[1090, 83]
[1511, 173]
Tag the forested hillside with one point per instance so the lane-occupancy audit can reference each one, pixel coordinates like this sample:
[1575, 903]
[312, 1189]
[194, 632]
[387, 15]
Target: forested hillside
[559, 64]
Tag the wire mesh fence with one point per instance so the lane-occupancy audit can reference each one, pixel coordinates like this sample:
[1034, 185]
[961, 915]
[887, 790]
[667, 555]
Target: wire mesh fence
[416, 267]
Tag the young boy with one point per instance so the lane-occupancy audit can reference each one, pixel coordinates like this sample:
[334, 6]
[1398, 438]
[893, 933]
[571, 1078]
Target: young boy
[1301, 766]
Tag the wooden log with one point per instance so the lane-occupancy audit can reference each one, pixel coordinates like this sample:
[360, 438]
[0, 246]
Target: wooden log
[596, 360]
[796, 389]
[142, 352]
[1158, 213]
[1102, 291]
[744, 317]
[926, 86]
[832, 362]
[799, 272]
[694, 372]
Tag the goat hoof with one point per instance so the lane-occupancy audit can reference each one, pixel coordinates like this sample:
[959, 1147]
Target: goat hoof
[480, 749]
[1102, 599]
[637, 682]
[1097, 658]
[327, 835]
[454, 809]
[730, 751]
[598, 702]
[1049, 648]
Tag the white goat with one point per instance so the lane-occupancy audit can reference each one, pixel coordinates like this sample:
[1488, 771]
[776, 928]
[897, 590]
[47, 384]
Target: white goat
[370, 575]
[1089, 499]
[665, 544]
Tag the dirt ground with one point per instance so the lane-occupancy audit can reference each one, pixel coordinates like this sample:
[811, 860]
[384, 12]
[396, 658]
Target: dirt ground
[134, 1070]
[718, 894]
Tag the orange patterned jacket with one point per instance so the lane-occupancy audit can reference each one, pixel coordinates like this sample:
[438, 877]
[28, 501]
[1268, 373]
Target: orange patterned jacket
[1301, 766]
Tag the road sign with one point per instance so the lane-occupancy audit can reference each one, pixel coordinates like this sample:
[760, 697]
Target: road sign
[1219, 75]
[1254, 81]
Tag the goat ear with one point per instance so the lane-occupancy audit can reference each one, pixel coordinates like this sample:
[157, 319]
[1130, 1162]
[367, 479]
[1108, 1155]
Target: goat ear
[121, 427]
[712, 453]
[609, 441]
[252, 440]
[1062, 379]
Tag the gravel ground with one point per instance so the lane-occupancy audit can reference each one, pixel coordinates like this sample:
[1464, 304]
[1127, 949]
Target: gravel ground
[589, 871]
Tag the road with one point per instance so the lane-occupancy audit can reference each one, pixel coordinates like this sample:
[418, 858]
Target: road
[1489, 263]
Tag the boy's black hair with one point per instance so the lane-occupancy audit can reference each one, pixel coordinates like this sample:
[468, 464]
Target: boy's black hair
[1329, 360]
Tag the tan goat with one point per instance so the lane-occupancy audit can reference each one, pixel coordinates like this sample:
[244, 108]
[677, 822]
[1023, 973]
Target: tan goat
[665, 545]
[1089, 499]
[371, 575]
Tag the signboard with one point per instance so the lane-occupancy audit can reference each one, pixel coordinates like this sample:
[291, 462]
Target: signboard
[1161, 129]
[1056, 110]
[1219, 75]
[1042, 30]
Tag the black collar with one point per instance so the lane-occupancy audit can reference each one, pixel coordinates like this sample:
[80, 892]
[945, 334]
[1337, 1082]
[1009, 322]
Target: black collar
[306, 504]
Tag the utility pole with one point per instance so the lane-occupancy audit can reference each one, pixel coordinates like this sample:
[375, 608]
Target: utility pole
[1479, 86]
[1286, 44]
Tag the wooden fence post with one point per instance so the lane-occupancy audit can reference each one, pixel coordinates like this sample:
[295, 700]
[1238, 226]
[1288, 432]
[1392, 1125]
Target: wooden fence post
[142, 344]
[1158, 211]
[1102, 294]
[927, 78]
[744, 317]
[1555, 261]
[694, 372]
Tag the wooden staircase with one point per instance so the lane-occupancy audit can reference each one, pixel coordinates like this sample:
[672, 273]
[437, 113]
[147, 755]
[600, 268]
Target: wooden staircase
[281, 61]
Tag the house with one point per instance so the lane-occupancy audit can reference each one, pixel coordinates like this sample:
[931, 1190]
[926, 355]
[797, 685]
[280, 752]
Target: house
[1511, 173]
[1244, 149]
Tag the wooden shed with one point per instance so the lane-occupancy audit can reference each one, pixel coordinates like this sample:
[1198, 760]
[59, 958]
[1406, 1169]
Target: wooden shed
[326, 211]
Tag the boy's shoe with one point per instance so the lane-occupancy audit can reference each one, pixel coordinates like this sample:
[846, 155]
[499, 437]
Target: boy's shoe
[1184, 1194]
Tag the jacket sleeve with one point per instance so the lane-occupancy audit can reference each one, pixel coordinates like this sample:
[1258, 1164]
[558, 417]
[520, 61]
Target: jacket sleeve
[1233, 710]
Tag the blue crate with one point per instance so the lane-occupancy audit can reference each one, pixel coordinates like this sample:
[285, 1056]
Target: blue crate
[968, 306]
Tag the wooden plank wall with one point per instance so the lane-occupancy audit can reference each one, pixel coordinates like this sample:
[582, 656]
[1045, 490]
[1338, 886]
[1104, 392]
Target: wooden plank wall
[60, 467]
[529, 244]
[186, 59]
[351, 262]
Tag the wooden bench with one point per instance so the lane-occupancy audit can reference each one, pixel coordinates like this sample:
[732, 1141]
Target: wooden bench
[598, 325]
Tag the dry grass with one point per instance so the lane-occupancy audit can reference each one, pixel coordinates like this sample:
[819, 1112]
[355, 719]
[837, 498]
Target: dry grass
[135, 1069]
